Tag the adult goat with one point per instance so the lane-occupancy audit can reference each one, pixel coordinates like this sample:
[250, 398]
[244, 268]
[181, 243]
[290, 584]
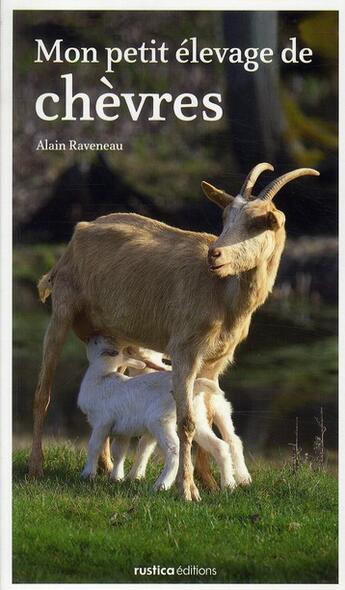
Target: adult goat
[188, 294]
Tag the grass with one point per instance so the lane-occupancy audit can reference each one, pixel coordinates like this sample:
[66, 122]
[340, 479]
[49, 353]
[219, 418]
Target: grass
[282, 529]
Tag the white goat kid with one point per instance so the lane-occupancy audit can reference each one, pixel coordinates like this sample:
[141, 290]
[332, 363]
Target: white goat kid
[134, 406]
[216, 406]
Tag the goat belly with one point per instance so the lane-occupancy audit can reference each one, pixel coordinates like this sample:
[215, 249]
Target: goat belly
[132, 430]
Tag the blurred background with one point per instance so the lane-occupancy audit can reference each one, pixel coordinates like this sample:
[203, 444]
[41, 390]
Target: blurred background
[286, 114]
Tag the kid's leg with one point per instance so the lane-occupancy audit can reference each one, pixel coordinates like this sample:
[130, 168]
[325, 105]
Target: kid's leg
[97, 438]
[169, 443]
[119, 449]
[219, 449]
[146, 446]
[223, 420]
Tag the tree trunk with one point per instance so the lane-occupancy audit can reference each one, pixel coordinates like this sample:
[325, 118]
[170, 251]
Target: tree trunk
[253, 105]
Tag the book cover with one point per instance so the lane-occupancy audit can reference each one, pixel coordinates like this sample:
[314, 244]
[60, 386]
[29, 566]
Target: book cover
[193, 119]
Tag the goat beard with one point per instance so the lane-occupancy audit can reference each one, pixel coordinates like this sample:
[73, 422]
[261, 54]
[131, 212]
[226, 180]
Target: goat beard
[244, 256]
[232, 268]
[222, 271]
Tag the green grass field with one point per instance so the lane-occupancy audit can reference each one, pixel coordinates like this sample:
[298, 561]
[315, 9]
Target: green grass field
[282, 529]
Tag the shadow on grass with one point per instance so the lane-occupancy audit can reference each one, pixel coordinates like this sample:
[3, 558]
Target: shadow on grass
[63, 465]
[62, 470]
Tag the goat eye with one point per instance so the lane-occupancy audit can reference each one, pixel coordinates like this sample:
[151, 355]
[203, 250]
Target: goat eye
[110, 353]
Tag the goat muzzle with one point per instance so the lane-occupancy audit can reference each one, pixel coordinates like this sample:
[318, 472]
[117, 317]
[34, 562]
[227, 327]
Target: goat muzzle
[214, 257]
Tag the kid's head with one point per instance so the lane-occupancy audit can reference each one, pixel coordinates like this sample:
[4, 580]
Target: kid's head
[101, 348]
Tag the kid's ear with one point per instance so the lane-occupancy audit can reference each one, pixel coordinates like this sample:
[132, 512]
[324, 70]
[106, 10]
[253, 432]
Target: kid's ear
[221, 198]
[157, 367]
[135, 364]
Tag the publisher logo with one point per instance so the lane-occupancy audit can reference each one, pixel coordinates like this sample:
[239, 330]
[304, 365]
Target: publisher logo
[181, 570]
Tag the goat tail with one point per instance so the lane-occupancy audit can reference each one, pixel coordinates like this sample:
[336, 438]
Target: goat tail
[45, 286]
[46, 283]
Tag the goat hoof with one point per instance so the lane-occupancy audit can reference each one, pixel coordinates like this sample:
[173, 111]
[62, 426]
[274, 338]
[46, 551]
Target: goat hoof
[134, 477]
[160, 487]
[115, 478]
[105, 467]
[195, 493]
[210, 483]
[189, 492]
[35, 469]
[244, 480]
[229, 486]
[87, 475]
[35, 472]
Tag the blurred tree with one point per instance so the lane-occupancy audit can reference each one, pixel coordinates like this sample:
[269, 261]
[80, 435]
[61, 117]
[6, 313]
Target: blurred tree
[254, 110]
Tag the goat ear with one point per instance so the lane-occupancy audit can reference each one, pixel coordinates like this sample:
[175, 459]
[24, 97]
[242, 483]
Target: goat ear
[135, 364]
[272, 220]
[219, 197]
[275, 220]
[156, 366]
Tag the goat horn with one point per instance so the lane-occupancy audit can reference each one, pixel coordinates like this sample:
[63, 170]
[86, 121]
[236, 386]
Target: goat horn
[252, 177]
[270, 191]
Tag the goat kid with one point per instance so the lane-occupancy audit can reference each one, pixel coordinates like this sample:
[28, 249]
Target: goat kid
[219, 412]
[143, 405]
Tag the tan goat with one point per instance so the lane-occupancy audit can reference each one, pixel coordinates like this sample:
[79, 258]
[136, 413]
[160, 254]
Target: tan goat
[190, 295]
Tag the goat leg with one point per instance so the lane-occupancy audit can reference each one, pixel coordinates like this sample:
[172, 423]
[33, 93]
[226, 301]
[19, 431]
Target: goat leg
[54, 338]
[184, 373]
[105, 464]
[202, 469]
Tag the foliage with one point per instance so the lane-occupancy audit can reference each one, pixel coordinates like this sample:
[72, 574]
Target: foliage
[319, 31]
[30, 263]
[282, 529]
[311, 129]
